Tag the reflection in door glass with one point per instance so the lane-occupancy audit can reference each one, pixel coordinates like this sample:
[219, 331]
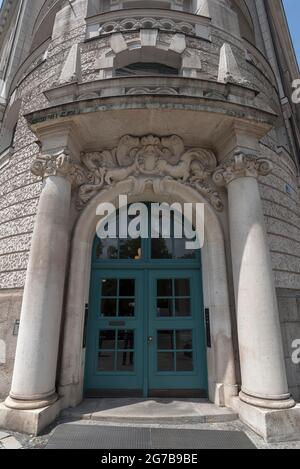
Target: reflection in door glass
[107, 340]
[165, 361]
[164, 307]
[125, 361]
[125, 339]
[116, 350]
[164, 287]
[182, 307]
[106, 361]
[109, 249]
[165, 340]
[109, 307]
[182, 287]
[110, 287]
[118, 298]
[175, 350]
[127, 287]
[178, 303]
[184, 361]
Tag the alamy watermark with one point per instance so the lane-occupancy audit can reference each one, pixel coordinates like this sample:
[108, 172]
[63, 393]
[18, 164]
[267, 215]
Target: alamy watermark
[296, 92]
[155, 220]
[296, 352]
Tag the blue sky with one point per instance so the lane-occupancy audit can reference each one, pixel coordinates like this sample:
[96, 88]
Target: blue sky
[293, 14]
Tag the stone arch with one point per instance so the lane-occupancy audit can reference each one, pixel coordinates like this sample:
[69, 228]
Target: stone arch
[221, 366]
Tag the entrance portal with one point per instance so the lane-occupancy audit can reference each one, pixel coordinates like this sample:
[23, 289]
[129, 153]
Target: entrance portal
[145, 334]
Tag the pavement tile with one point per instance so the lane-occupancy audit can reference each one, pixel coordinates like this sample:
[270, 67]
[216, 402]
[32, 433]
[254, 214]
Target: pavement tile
[11, 443]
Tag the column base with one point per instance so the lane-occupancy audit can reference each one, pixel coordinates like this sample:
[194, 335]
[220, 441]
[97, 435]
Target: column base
[286, 402]
[31, 422]
[20, 404]
[272, 425]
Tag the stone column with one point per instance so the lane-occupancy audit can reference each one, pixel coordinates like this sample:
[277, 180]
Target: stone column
[264, 382]
[34, 377]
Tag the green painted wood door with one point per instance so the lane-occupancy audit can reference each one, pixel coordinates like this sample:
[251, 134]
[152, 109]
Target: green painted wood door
[145, 333]
[176, 348]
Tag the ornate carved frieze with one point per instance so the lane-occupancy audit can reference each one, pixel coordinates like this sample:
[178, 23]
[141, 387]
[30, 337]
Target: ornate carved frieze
[241, 165]
[137, 23]
[58, 164]
[150, 160]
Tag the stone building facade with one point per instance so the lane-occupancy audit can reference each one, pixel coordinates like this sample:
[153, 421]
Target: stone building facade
[167, 101]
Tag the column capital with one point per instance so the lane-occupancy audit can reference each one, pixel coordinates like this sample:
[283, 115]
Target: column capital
[241, 165]
[59, 164]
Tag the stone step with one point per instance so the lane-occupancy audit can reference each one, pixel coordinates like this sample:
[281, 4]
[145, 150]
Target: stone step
[155, 411]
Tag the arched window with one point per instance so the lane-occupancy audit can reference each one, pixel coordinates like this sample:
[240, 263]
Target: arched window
[245, 21]
[146, 68]
[147, 61]
[45, 29]
[9, 126]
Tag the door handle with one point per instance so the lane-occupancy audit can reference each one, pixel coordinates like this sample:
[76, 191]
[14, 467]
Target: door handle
[150, 340]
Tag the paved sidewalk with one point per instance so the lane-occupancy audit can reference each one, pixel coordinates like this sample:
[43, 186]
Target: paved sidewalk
[29, 442]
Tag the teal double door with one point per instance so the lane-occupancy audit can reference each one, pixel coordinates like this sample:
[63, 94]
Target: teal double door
[145, 334]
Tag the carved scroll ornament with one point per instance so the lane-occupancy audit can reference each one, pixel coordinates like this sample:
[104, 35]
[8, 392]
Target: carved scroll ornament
[150, 160]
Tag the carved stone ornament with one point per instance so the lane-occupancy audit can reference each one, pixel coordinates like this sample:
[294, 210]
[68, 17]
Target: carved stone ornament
[58, 164]
[241, 165]
[148, 161]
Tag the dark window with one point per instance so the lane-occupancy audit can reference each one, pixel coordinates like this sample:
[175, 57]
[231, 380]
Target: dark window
[147, 68]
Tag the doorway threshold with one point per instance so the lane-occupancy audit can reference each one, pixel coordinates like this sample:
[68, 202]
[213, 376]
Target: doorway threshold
[150, 411]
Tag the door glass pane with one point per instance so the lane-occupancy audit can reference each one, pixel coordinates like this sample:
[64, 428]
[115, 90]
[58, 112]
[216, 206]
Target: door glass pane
[107, 340]
[165, 307]
[106, 361]
[107, 249]
[183, 307]
[109, 287]
[161, 248]
[184, 361]
[165, 340]
[180, 251]
[184, 340]
[127, 287]
[125, 361]
[126, 307]
[164, 287]
[125, 339]
[165, 361]
[109, 307]
[130, 249]
[182, 287]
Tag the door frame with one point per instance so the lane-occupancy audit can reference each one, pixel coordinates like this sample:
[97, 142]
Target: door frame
[220, 358]
[147, 268]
